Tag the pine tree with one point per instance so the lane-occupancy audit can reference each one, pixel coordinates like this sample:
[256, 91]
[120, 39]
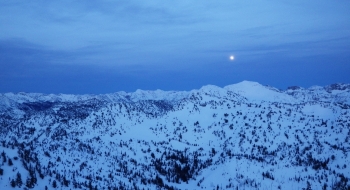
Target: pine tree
[13, 183]
[65, 181]
[31, 181]
[54, 184]
[19, 180]
[10, 162]
[3, 156]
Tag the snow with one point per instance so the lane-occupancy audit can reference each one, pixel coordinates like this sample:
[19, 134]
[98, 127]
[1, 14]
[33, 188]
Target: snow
[318, 110]
[256, 92]
[237, 133]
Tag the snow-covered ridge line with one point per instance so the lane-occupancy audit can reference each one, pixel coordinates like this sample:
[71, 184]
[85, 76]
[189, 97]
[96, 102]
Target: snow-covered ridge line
[245, 136]
[250, 90]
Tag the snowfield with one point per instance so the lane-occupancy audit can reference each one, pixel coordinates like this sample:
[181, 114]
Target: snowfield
[245, 136]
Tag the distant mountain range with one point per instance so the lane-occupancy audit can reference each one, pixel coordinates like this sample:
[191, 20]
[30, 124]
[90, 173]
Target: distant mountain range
[241, 136]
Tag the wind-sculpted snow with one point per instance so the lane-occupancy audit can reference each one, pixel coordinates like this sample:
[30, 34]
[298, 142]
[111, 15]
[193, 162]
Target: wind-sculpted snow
[245, 136]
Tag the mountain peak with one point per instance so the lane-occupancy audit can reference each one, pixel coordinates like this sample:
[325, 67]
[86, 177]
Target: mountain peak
[257, 92]
[294, 88]
[151, 140]
[253, 91]
[338, 87]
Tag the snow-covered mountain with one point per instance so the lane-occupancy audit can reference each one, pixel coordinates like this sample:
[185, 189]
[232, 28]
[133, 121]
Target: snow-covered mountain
[245, 136]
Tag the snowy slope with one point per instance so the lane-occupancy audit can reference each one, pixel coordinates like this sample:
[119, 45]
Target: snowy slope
[256, 92]
[245, 136]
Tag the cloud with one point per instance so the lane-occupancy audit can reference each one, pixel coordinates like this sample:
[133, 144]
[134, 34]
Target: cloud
[157, 33]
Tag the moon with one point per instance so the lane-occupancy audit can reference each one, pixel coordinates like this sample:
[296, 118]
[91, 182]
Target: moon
[232, 57]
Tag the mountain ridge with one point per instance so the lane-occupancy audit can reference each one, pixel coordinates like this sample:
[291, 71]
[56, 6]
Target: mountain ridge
[245, 136]
[245, 87]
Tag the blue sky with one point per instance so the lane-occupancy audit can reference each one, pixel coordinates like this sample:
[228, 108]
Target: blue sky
[108, 46]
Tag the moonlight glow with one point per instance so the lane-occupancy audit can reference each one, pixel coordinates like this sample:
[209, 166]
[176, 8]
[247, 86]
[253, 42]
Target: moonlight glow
[232, 57]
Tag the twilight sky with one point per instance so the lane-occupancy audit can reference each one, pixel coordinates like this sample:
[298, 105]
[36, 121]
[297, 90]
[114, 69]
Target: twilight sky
[107, 46]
